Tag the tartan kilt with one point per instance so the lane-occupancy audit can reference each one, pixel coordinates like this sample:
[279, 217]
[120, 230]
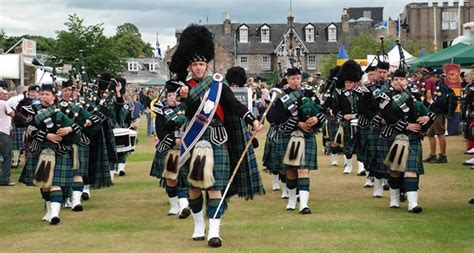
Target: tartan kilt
[221, 170]
[415, 153]
[332, 127]
[362, 144]
[157, 171]
[382, 150]
[83, 153]
[100, 163]
[350, 144]
[268, 159]
[372, 147]
[17, 138]
[414, 163]
[310, 153]
[62, 171]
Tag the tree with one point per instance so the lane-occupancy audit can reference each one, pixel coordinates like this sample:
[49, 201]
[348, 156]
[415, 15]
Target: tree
[129, 44]
[128, 28]
[44, 45]
[98, 50]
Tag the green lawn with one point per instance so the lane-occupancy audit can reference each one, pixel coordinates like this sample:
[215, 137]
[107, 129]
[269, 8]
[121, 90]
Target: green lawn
[131, 215]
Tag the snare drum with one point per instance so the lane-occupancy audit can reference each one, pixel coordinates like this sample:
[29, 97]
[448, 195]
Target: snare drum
[133, 139]
[122, 140]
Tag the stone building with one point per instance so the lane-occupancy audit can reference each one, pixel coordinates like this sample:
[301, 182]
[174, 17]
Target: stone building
[262, 48]
[438, 22]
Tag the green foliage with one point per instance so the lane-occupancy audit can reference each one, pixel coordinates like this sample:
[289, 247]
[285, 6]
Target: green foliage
[358, 47]
[328, 64]
[128, 28]
[44, 45]
[131, 45]
[99, 53]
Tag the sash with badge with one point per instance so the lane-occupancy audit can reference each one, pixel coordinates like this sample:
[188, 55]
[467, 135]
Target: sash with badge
[202, 160]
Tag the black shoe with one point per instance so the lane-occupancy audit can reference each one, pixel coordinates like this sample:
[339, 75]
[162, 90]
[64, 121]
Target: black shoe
[185, 213]
[430, 159]
[215, 242]
[377, 197]
[199, 238]
[471, 201]
[363, 173]
[395, 207]
[441, 159]
[85, 196]
[403, 197]
[54, 220]
[290, 209]
[78, 208]
[416, 209]
[122, 173]
[386, 187]
[305, 210]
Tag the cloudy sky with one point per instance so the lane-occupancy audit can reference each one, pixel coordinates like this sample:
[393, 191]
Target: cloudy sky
[18, 17]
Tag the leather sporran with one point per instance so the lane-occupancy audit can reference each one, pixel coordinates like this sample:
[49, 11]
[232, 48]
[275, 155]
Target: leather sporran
[202, 165]
[171, 170]
[44, 172]
[294, 155]
[397, 157]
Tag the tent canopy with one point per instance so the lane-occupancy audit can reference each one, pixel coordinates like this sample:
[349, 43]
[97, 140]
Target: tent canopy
[460, 53]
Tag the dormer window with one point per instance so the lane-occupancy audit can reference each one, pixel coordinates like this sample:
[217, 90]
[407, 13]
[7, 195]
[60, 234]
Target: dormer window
[133, 66]
[153, 67]
[244, 34]
[265, 34]
[332, 33]
[309, 32]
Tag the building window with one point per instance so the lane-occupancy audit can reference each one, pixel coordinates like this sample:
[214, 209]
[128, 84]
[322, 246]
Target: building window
[449, 20]
[132, 66]
[311, 61]
[265, 34]
[367, 14]
[332, 33]
[243, 34]
[153, 67]
[244, 62]
[309, 33]
[266, 62]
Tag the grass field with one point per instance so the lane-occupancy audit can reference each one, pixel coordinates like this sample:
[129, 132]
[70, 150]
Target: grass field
[131, 215]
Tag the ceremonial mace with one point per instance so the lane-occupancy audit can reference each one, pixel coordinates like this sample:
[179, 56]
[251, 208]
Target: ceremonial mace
[276, 93]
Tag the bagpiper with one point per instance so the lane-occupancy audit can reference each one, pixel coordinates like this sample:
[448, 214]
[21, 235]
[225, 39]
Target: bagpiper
[215, 134]
[295, 118]
[165, 163]
[49, 165]
[345, 109]
[400, 140]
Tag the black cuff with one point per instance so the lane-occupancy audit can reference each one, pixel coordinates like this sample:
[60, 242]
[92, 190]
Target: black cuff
[165, 144]
[431, 115]
[40, 135]
[376, 121]
[321, 117]
[290, 125]
[76, 128]
[249, 118]
[401, 125]
[340, 117]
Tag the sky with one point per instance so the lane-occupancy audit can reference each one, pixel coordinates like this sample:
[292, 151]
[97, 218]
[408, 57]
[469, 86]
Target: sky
[45, 17]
